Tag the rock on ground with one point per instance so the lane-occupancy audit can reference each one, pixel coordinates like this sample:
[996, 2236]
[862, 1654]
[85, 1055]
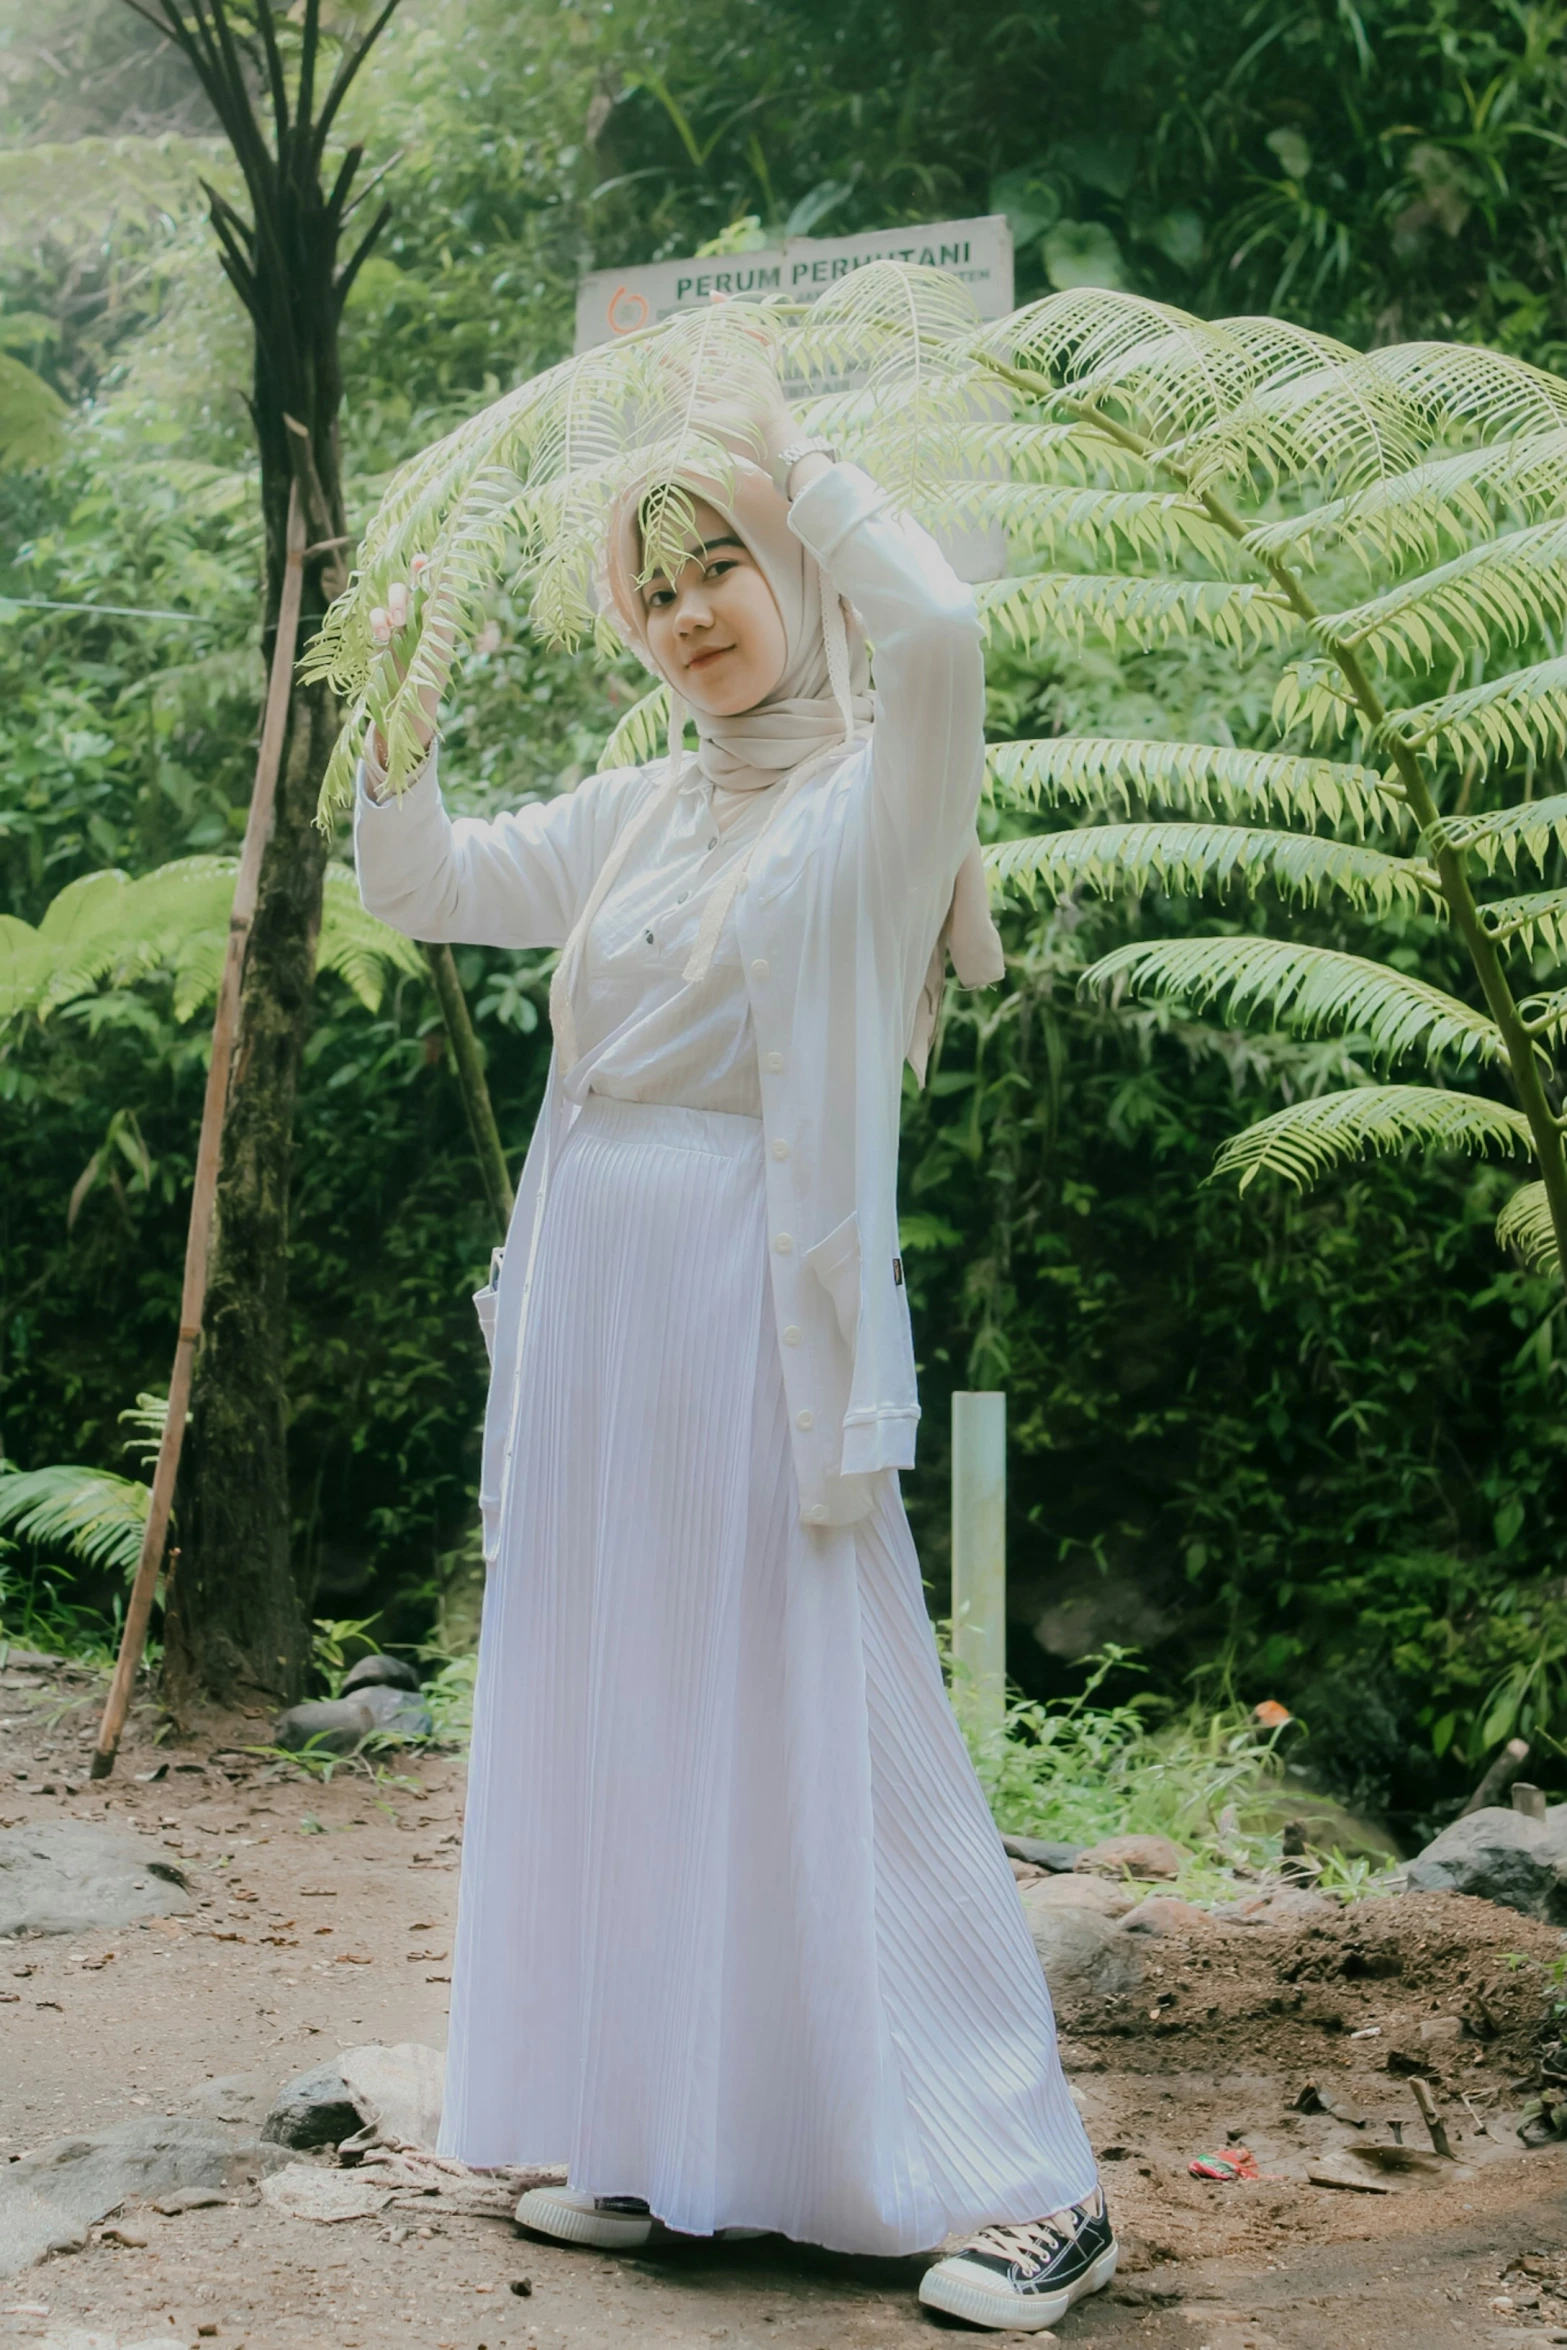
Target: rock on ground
[1083, 1954]
[380, 1672]
[1089, 1893]
[67, 1876]
[315, 2109]
[1501, 1855]
[68, 2185]
[337, 1725]
[304, 2191]
[398, 2089]
[1133, 1856]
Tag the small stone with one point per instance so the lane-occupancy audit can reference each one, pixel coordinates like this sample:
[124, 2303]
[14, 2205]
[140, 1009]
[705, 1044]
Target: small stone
[1041, 1853]
[1165, 1913]
[1083, 1955]
[189, 2199]
[383, 1672]
[120, 2231]
[1133, 1856]
[315, 2109]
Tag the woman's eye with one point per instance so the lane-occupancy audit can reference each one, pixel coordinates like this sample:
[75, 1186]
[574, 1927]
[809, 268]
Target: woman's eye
[657, 598]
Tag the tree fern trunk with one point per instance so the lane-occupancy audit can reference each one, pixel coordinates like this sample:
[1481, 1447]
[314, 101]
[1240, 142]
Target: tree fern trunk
[238, 1618]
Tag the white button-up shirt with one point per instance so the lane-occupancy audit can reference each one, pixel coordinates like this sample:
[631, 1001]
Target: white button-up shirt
[842, 906]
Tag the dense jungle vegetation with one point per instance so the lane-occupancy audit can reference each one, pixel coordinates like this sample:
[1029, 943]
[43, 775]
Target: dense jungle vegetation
[1303, 1447]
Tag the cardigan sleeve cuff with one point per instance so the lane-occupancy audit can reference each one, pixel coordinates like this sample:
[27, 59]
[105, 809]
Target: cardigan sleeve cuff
[883, 1442]
[836, 502]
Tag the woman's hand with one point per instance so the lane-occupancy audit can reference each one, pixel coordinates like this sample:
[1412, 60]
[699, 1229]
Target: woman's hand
[392, 633]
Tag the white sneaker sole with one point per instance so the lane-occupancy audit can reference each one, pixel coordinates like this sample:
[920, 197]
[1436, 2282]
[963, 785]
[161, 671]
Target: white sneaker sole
[549, 2214]
[954, 2288]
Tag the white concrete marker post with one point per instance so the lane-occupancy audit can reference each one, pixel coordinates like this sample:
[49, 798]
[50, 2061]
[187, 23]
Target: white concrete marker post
[979, 1561]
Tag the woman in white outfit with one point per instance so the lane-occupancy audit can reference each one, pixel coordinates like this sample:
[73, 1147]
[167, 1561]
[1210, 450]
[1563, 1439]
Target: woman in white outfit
[737, 1940]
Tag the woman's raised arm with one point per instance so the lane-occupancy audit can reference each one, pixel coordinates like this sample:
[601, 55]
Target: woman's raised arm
[927, 751]
[518, 880]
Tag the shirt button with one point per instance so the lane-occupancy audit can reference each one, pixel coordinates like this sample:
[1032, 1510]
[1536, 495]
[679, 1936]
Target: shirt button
[784, 1244]
[759, 967]
[791, 1337]
[774, 1062]
[817, 1513]
[780, 1149]
[648, 935]
[805, 1419]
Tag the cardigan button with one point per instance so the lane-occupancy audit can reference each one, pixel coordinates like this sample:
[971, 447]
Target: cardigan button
[759, 967]
[817, 1513]
[784, 1244]
[774, 1062]
[791, 1337]
[780, 1148]
[805, 1420]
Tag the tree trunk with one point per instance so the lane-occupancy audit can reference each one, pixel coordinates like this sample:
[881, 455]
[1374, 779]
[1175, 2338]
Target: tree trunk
[238, 1619]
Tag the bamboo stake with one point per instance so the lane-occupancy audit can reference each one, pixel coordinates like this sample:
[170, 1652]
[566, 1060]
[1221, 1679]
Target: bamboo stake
[469, 1064]
[225, 1028]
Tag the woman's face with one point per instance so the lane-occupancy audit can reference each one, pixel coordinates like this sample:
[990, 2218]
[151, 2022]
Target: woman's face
[715, 629]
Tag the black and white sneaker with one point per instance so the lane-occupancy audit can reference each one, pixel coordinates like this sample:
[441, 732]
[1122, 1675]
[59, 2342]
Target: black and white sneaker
[1024, 2279]
[615, 2223]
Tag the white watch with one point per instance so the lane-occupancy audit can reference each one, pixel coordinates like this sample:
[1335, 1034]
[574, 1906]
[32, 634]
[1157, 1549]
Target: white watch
[787, 459]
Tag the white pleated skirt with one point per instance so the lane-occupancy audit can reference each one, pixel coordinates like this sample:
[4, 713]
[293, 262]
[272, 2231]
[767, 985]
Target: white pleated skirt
[736, 1932]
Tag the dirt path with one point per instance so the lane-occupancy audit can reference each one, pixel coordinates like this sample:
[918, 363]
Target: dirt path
[322, 1919]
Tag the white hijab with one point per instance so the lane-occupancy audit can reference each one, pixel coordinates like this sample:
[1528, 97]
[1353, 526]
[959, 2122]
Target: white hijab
[820, 706]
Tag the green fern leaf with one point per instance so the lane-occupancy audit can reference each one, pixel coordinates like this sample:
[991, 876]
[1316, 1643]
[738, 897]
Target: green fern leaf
[1093, 771]
[1505, 590]
[357, 947]
[1520, 716]
[1445, 502]
[1304, 1140]
[90, 1514]
[1146, 612]
[1183, 859]
[1536, 920]
[640, 736]
[1047, 516]
[1529, 830]
[1525, 1225]
[1311, 989]
[32, 416]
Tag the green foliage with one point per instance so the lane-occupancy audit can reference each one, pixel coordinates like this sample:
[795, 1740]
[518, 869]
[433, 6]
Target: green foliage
[174, 923]
[89, 1514]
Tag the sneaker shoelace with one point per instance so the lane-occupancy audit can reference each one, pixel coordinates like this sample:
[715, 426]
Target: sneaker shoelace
[1035, 2239]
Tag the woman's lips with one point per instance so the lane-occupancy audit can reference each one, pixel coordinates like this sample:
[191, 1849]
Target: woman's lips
[709, 653]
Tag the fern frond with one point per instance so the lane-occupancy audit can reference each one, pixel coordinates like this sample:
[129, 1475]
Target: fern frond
[1158, 368]
[1525, 1225]
[1536, 920]
[1095, 770]
[1507, 589]
[1317, 412]
[1146, 612]
[1042, 516]
[1312, 693]
[641, 733]
[1520, 716]
[1530, 830]
[1184, 859]
[174, 922]
[1306, 1139]
[91, 1514]
[1312, 989]
[1445, 502]
[1464, 388]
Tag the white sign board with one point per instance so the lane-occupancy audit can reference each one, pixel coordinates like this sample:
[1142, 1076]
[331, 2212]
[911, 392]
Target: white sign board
[613, 302]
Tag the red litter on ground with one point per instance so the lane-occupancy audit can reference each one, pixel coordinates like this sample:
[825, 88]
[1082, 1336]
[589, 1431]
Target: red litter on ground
[1238, 2163]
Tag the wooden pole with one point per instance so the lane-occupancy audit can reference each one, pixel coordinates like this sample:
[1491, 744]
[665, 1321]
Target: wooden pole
[225, 1030]
[979, 1561]
[469, 1064]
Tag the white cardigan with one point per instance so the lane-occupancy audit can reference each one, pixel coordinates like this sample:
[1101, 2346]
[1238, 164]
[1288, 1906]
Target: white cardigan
[843, 904]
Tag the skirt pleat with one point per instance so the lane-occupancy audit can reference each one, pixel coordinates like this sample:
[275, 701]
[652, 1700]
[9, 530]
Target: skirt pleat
[736, 1933]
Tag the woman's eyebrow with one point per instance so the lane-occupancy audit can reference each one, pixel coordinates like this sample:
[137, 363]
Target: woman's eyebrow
[706, 546]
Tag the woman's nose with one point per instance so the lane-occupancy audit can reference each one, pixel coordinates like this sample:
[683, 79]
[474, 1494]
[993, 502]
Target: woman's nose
[693, 608]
